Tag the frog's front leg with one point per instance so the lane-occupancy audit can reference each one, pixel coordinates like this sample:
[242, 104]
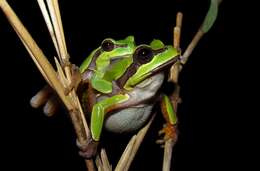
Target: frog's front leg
[96, 124]
[170, 128]
[98, 113]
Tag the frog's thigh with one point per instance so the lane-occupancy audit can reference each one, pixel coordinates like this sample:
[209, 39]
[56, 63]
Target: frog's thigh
[99, 111]
[168, 110]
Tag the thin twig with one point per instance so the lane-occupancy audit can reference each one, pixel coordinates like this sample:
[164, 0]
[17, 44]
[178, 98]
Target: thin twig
[204, 28]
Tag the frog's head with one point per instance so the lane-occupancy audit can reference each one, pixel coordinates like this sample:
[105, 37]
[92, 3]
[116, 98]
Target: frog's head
[149, 60]
[108, 50]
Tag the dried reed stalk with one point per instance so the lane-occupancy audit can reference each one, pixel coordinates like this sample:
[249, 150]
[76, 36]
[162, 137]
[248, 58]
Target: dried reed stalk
[71, 101]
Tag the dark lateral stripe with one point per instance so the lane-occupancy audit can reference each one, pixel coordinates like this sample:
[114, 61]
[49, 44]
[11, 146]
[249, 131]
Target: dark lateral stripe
[95, 56]
[133, 68]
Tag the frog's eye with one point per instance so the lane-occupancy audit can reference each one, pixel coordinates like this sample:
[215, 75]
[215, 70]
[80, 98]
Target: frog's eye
[107, 45]
[143, 54]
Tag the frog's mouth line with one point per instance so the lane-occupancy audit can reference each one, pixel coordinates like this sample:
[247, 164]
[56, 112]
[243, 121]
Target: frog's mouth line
[116, 58]
[158, 69]
[163, 66]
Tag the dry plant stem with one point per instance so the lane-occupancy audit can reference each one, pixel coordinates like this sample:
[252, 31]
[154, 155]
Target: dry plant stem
[206, 25]
[57, 31]
[124, 157]
[191, 46]
[77, 114]
[35, 51]
[167, 154]
[102, 162]
[53, 7]
[48, 23]
[177, 31]
[175, 70]
[132, 148]
[104, 159]
[57, 12]
[174, 75]
[48, 72]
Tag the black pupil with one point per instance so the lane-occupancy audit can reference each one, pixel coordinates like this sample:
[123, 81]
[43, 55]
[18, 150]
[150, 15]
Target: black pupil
[145, 54]
[107, 45]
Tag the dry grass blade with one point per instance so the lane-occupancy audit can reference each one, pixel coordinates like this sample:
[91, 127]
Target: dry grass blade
[49, 73]
[77, 115]
[36, 53]
[57, 12]
[49, 24]
[102, 162]
[125, 156]
[167, 157]
[56, 27]
[65, 77]
[105, 161]
[132, 148]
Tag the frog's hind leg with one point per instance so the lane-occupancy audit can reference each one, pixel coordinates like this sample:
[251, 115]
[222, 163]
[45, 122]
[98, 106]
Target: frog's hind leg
[169, 113]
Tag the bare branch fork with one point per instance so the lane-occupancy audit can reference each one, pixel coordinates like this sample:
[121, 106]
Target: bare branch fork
[61, 79]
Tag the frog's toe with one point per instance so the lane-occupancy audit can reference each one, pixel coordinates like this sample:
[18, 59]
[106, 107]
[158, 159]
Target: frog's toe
[168, 131]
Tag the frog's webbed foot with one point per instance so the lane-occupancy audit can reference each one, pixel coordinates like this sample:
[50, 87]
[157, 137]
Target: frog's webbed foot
[89, 149]
[168, 131]
[75, 79]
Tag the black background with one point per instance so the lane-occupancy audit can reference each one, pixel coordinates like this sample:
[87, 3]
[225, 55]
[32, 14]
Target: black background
[34, 142]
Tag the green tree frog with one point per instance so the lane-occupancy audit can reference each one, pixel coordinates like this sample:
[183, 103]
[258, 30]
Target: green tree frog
[121, 84]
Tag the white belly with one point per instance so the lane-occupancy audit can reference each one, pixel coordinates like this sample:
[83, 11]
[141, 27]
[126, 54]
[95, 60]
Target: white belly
[129, 119]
